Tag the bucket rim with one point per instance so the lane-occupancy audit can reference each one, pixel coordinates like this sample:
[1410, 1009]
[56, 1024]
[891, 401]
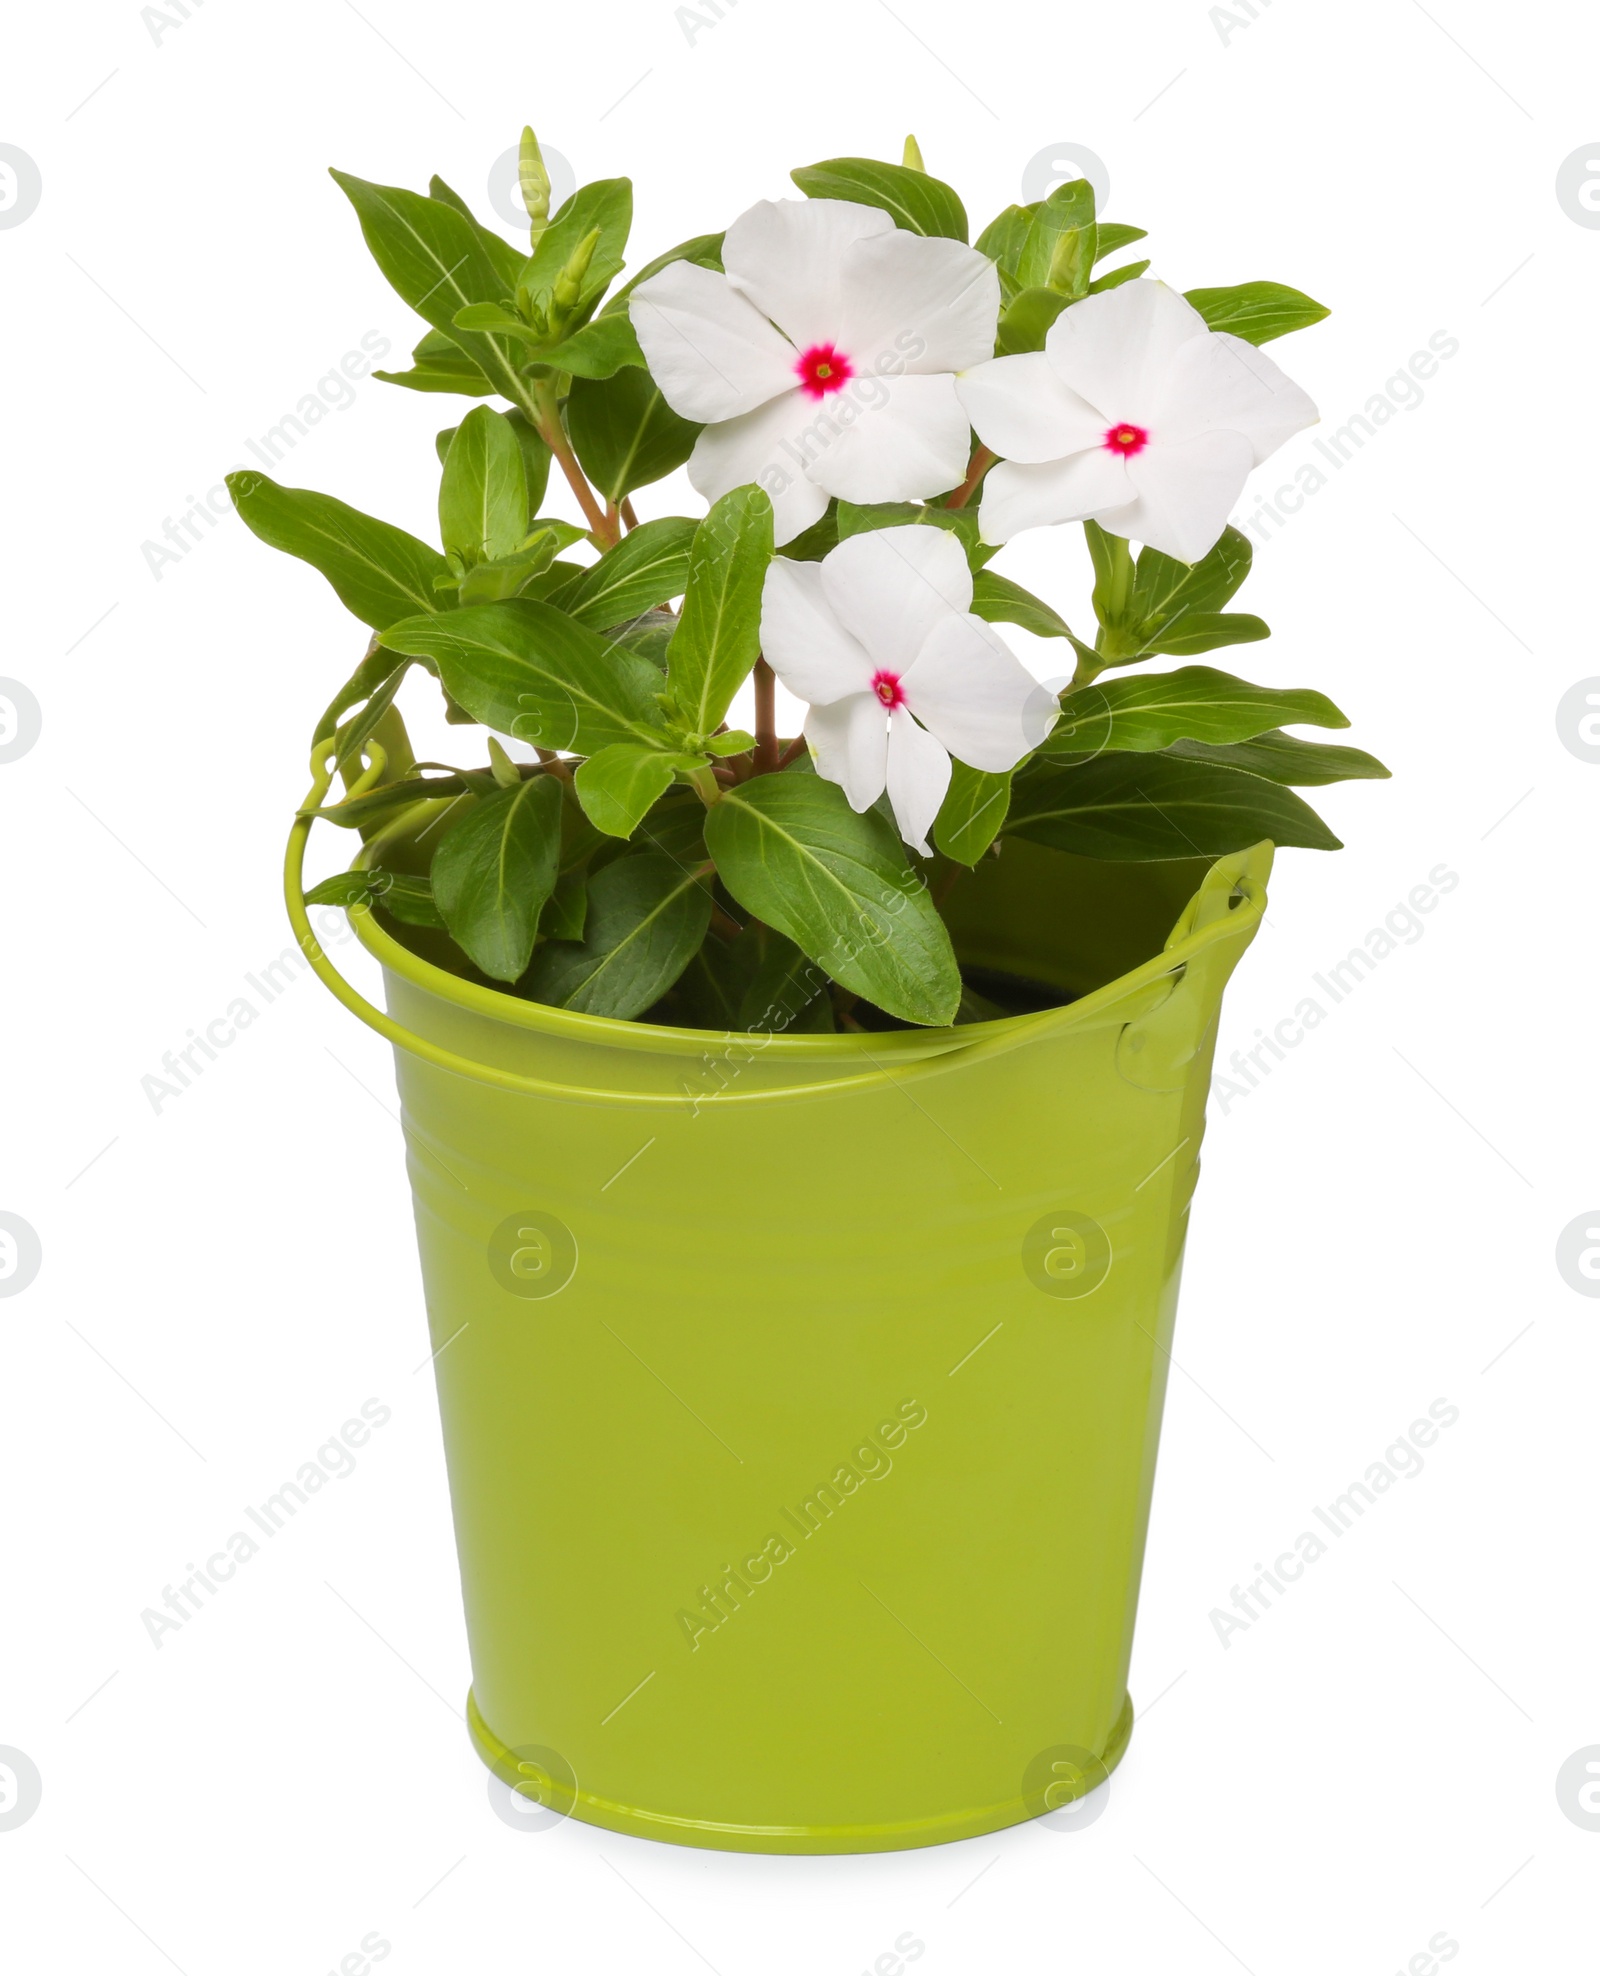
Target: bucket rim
[1231, 897]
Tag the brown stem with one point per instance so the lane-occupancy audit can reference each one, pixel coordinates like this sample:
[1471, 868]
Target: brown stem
[982, 460]
[795, 749]
[602, 525]
[554, 764]
[766, 718]
[630, 519]
[941, 891]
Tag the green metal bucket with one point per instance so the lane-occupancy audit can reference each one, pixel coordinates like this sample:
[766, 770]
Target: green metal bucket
[801, 1393]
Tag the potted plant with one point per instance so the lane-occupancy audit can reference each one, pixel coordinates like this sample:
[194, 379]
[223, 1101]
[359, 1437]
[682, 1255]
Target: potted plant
[803, 1127]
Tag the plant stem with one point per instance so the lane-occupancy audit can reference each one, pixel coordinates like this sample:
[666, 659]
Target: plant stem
[793, 752]
[630, 519]
[706, 786]
[766, 718]
[602, 525]
[941, 891]
[982, 460]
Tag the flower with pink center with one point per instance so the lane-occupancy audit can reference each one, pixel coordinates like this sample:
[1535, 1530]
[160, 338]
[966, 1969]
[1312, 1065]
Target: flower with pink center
[880, 640]
[823, 369]
[822, 361]
[1134, 415]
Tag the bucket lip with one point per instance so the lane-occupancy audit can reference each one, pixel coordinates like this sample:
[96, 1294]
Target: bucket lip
[1243, 873]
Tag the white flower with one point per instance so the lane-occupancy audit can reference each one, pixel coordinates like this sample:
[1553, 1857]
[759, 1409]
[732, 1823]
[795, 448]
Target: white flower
[879, 638]
[1134, 415]
[823, 361]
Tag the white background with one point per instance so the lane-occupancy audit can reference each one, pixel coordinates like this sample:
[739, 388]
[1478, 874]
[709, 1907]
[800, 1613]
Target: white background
[225, 1281]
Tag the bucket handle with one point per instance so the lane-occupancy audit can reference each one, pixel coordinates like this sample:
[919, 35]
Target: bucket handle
[323, 764]
[325, 761]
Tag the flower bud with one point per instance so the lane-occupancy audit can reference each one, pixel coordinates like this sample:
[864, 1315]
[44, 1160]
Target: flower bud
[912, 159]
[535, 184]
[569, 283]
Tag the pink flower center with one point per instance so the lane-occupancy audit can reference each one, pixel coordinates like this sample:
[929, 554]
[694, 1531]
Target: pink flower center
[887, 687]
[823, 369]
[1126, 439]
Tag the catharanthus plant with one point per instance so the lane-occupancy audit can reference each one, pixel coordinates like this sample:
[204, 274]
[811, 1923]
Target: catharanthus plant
[870, 406]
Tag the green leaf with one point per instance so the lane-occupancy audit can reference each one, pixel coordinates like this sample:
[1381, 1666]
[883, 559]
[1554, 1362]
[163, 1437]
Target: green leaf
[1002, 238]
[972, 813]
[483, 497]
[507, 259]
[1117, 277]
[1171, 600]
[535, 462]
[399, 893]
[718, 638]
[913, 200]
[567, 907]
[1059, 248]
[433, 259]
[1112, 237]
[961, 522]
[1203, 631]
[528, 670]
[1145, 712]
[377, 571]
[788, 992]
[646, 917]
[622, 783]
[493, 871]
[441, 365]
[1025, 321]
[998, 600]
[1162, 586]
[792, 851]
[625, 433]
[813, 543]
[1257, 311]
[606, 204]
[703, 251]
[1144, 807]
[1286, 758]
[644, 569]
[519, 574]
[735, 742]
[600, 349]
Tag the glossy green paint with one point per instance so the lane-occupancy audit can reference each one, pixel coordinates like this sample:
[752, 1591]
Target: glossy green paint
[801, 1426]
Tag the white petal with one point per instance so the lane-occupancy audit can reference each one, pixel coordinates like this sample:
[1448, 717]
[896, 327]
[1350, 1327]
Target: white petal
[919, 775]
[713, 354]
[803, 640]
[890, 439]
[1020, 408]
[916, 304]
[850, 745]
[1017, 497]
[970, 690]
[1220, 383]
[1186, 492]
[1116, 349]
[763, 446]
[890, 587]
[788, 256]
